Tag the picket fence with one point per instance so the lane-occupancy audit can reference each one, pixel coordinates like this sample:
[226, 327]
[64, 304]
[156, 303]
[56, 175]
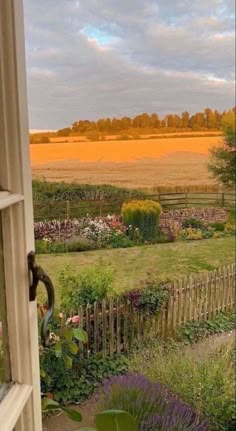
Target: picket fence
[113, 326]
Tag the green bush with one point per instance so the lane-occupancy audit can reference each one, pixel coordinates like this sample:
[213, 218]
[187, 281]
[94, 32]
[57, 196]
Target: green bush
[85, 286]
[123, 138]
[47, 191]
[120, 241]
[219, 227]
[93, 136]
[77, 383]
[81, 244]
[192, 223]
[207, 385]
[150, 297]
[47, 246]
[191, 332]
[191, 234]
[143, 215]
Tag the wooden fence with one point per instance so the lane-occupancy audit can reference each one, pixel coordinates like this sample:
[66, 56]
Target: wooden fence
[102, 207]
[113, 326]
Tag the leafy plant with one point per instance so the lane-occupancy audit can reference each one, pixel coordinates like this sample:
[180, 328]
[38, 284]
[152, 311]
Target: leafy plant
[218, 226]
[112, 420]
[152, 405]
[192, 223]
[151, 296]
[85, 286]
[190, 233]
[206, 384]
[191, 332]
[223, 156]
[63, 346]
[68, 385]
[143, 215]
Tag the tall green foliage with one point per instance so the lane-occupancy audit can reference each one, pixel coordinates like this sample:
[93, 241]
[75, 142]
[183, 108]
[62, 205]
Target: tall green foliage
[45, 191]
[85, 286]
[223, 157]
[144, 215]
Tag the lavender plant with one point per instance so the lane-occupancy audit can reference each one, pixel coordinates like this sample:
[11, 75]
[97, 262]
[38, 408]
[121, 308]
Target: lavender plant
[153, 405]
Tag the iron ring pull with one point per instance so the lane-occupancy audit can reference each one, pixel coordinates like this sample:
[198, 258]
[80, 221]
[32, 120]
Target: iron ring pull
[38, 274]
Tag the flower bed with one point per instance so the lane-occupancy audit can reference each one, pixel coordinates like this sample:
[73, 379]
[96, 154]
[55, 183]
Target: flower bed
[153, 405]
[109, 232]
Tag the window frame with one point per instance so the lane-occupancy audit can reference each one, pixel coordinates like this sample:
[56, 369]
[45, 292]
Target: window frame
[21, 406]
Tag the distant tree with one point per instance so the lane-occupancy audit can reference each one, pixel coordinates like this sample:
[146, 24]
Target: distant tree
[185, 120]
[64, 132]
[223, 157]
[210, 119]
[93, 135]
[170, 120]
[125, 123]
[155, 121]
[44, 139]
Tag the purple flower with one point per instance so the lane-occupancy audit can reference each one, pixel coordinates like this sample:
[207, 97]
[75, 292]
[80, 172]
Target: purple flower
[153, 405]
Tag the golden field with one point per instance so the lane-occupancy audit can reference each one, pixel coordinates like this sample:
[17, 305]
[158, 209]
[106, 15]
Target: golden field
[145, 163]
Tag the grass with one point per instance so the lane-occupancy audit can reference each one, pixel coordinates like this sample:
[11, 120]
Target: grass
[144, 163]
[131, 265]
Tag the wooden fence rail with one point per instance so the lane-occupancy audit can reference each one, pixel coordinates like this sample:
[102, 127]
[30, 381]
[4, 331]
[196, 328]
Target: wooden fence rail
[114, 325]
[101, 207]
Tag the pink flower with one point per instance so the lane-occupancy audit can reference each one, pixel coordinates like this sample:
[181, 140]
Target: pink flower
[75, 319]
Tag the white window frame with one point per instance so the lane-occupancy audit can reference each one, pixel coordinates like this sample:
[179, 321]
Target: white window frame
[21, 406]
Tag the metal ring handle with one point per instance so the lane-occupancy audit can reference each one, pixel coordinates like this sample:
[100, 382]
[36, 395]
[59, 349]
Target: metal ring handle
[38, 274]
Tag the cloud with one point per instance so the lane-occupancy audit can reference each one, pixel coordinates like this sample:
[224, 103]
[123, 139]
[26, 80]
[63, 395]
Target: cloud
[96, 58]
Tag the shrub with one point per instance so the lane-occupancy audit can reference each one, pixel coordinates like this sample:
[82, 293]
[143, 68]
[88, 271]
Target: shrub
[73, 385]
[219, 227]
[81, 244]
[207, 385]
[85, 286]
[153, 405]
[150, 297]
[143, 215]
[123, 138]
[190, 233]
[47, 191]
[93, 136]
[118, 240]
[192, 223]
[191, 332]
[47, 246]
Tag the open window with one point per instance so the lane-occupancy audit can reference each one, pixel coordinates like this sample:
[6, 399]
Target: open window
[19, 359]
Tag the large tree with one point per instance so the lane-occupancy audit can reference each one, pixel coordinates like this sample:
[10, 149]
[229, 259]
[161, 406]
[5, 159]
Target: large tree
[223, 156]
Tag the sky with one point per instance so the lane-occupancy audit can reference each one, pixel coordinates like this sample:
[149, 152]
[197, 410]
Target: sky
[88, 59]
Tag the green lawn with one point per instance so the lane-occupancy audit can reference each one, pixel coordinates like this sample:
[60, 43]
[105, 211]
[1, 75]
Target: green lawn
[131, 265]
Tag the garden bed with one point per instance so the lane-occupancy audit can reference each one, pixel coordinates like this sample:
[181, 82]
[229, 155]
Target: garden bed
[200, 351]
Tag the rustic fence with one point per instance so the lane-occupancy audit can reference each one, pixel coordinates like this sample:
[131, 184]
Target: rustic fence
[113, 326]
[101, 207]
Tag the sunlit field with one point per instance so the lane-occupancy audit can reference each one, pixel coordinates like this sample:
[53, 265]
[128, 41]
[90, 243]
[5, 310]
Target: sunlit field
[134, 163]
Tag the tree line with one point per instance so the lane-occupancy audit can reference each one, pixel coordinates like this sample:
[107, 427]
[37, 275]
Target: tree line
[208, 119]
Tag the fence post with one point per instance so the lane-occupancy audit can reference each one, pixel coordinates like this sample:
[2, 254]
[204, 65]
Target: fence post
[223, 200]
[101, 207]
[186, 199]
[68, 210]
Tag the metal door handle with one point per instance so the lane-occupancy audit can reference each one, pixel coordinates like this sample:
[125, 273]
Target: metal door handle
[38, 274]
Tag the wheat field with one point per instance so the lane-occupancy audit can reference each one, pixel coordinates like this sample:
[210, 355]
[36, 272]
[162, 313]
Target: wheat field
[145, 163]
